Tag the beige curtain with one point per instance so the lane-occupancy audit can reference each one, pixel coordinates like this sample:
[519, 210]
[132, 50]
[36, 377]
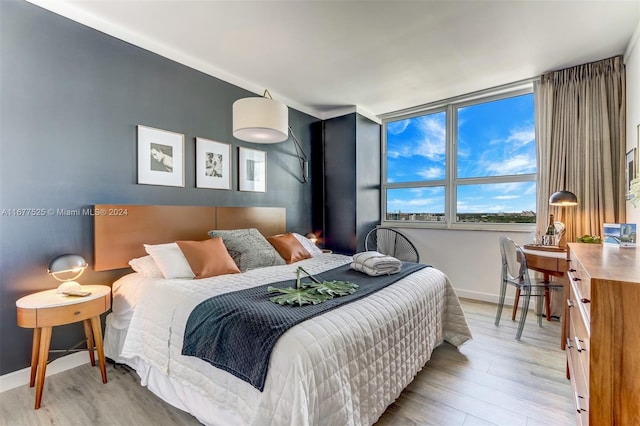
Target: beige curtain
[580, 114]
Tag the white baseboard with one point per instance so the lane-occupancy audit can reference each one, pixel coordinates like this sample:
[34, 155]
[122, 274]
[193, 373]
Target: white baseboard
[21, 377]
[485, 297]
[491, 298]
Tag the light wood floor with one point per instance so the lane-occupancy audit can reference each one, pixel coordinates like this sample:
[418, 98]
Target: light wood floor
[491, 380]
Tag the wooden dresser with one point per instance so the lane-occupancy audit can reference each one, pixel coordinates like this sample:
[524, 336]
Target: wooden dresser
[603, 343]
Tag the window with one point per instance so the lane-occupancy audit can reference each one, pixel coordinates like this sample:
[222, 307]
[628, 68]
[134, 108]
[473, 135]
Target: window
[463, 163]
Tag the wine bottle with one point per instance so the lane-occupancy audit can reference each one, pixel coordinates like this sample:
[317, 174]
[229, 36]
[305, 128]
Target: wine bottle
[551, 229]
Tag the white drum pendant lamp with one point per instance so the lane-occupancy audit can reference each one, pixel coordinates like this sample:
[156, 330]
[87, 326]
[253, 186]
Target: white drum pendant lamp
[260, 120]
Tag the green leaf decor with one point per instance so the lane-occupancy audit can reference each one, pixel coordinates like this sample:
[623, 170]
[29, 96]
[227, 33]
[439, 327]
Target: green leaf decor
[311, 292]
[296, 296]
[335, 288]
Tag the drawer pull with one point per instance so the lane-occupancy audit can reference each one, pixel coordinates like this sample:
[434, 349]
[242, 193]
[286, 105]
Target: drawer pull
[77, 313]
[577, 279]
[577, 397]
[570, 303]
[569, 346]
[579, 347]
[572, 270]
[585, 300]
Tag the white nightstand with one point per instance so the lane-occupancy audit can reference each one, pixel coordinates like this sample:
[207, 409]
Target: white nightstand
[44, 310]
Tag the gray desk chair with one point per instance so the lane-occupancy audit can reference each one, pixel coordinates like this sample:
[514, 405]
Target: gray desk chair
[392, 243]
[516, 273]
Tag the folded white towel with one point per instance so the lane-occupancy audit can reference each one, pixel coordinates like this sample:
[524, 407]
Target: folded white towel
[374, 263]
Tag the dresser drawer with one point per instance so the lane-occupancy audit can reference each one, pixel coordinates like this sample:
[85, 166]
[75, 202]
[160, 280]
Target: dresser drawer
[581, 281]
[579, 339]
[579, 335]
[579, 387]
[578, 352]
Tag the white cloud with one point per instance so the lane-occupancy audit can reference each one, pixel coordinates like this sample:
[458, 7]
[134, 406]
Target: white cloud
[430, 142]
[428, 191]
[530, 189]
[522, 136]
[432, 173]
[397, 127]
[402, 151]
[416, 202]
[506, 197]
[433, 133]
[517, 164]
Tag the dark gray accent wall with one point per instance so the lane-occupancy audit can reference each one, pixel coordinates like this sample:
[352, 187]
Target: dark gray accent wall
[347, 179]
[70, 100]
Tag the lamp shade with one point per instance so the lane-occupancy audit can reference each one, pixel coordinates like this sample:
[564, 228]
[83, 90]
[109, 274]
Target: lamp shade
[260, 120]
[563, 198]
[67, 267]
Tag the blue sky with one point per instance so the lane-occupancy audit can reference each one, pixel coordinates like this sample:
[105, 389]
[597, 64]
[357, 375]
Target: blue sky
[494, 139]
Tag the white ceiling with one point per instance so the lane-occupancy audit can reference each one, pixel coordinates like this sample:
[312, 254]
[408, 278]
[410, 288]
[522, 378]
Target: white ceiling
[325, 57]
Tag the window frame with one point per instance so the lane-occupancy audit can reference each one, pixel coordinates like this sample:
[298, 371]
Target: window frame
[451, 182]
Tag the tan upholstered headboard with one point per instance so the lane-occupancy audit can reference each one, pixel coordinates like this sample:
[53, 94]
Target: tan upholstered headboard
[121, 230]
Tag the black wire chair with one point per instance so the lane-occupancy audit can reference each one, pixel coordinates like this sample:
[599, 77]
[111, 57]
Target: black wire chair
[392, 243]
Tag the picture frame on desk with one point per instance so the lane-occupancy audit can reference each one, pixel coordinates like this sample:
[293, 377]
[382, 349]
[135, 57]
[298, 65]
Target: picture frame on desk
[619, 234]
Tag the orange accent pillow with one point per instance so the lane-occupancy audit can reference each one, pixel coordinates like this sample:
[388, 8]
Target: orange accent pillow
[289, 247]
[208, 258]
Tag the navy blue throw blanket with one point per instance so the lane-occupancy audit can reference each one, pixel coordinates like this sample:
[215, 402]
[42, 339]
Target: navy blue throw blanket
[237, 331]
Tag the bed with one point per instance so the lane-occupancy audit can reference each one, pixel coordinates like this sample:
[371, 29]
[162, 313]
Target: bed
[342, 367]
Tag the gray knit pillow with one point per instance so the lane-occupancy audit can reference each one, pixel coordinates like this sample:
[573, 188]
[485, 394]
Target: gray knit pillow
[248, 248]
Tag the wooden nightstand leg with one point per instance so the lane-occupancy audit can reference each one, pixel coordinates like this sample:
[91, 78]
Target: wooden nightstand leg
[97, 337]
[43, 356]
[35, 348]
[90, 345]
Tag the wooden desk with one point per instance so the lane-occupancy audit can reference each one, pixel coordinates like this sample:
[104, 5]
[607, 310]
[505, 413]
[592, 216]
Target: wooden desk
[552, 263]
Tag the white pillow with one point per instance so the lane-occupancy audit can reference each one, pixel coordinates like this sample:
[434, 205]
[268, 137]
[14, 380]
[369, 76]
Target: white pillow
[170, 260]
[146, 267]
[313, 249]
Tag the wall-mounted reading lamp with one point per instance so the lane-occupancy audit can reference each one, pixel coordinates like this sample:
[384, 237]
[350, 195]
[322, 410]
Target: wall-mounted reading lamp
[263, 120]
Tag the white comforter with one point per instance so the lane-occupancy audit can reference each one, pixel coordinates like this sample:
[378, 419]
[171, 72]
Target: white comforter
[341, 368]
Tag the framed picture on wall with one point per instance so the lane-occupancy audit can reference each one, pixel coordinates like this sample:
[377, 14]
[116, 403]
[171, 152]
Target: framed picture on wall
[213, 164]
[631, 169]
[252, 170]
[638, 150]
[160, 157]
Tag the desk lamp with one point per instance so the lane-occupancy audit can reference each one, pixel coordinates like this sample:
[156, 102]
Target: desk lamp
[67, 268]
[563, 199]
